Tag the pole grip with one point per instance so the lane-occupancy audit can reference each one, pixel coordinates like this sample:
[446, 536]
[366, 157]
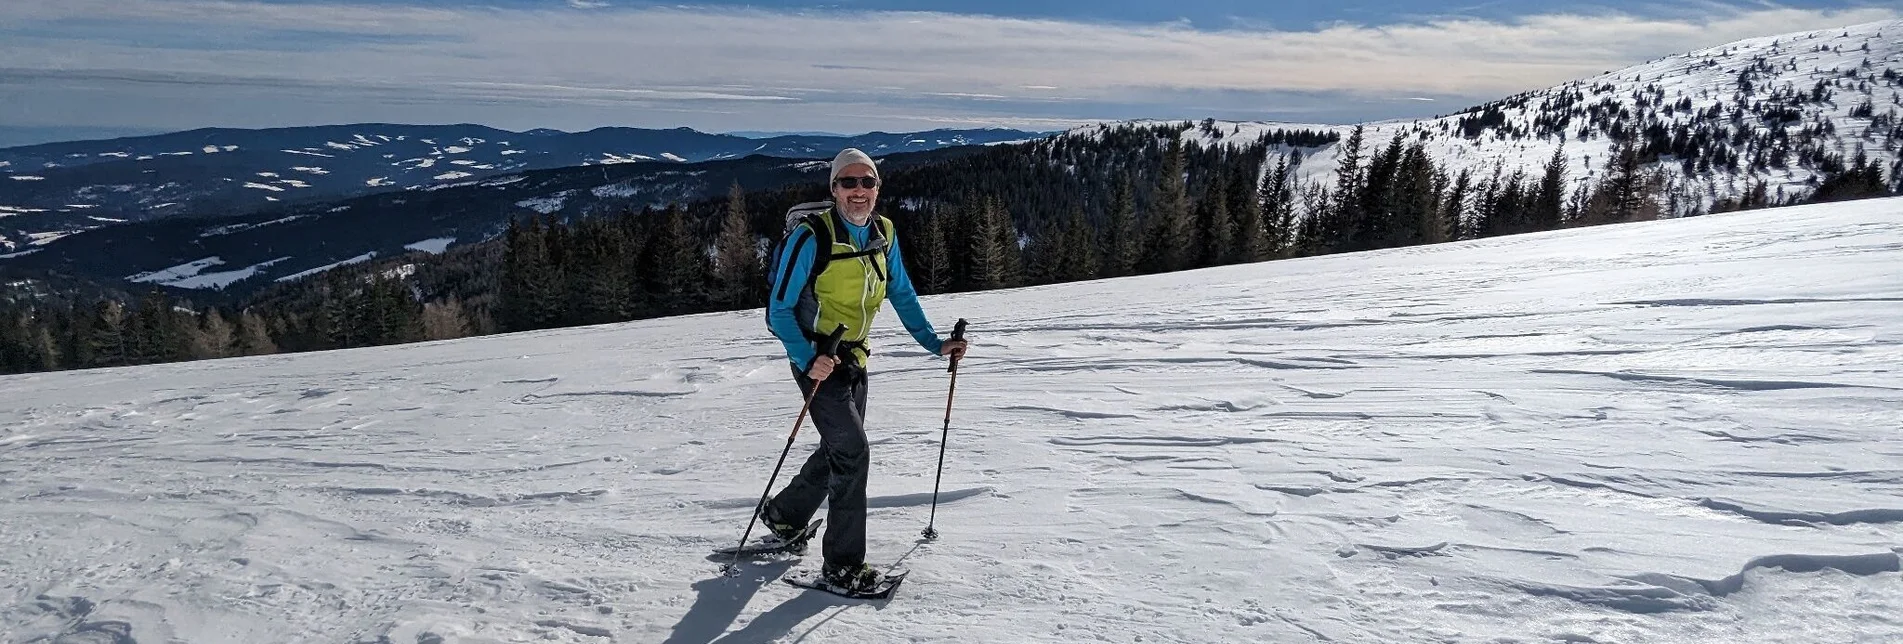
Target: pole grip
[958, 333]
[831, 346]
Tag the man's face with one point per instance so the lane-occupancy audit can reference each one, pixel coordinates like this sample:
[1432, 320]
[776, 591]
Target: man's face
[855, 202]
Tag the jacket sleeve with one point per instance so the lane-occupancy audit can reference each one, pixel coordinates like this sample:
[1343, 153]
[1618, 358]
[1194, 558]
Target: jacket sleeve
[904, 299]
[792, 268]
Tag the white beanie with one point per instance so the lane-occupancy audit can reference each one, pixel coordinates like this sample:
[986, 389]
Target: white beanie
[848, 157]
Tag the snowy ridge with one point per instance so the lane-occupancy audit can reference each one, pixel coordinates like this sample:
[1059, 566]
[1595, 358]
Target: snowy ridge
[1857, 65]
[1670, 431]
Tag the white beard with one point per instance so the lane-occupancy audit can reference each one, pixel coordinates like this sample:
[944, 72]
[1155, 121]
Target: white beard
[858, 213]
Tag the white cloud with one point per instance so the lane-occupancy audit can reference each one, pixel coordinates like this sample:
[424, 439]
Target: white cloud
[926, 65]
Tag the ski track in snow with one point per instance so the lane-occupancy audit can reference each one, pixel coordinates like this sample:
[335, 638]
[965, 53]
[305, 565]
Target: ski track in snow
[1667, 431]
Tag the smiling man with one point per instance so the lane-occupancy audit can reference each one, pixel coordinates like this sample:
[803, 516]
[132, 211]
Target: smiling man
[862, 269]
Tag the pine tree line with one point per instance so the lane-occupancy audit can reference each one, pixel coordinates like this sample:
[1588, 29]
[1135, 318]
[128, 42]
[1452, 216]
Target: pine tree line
[1128, 200]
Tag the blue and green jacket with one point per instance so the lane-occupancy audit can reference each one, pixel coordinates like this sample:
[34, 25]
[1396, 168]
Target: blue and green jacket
[849, 291]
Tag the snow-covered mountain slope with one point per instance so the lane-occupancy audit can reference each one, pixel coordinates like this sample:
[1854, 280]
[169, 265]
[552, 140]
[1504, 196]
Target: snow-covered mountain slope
[1757, 110]
[1670, 431]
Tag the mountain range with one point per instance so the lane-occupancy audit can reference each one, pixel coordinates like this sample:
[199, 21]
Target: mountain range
[56, 189]
[1772, 116]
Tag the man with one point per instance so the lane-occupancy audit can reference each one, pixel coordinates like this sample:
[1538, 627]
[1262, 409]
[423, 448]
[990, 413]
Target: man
[864, 269]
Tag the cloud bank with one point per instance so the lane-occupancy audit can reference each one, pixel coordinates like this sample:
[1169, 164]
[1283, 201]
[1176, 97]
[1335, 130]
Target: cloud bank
[188, 63]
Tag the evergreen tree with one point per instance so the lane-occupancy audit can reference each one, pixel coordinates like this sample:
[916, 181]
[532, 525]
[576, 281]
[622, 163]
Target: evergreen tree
[1454, 208]
[1380, 199]
[530, 293]
[737, 267]
[1278, 208]
[1547, 209]
[1215, 243]
[107, 341]
[679, 263]
[1344, 218]
[994, 249]
[1079, 248]
[1252, 235]
[1168, 240]
[600, 286]
[1122, 243]
[932, 259]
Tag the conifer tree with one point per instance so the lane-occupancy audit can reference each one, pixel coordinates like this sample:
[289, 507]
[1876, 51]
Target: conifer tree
[933, 257]
[1168, 240]
[737, 266]
[1122, 244]
[1547, 209]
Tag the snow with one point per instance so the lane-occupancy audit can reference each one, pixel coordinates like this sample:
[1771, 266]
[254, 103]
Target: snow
[379, 181]
[612, 158]
[339, 146]
[44, 238]
[232, 228]
[1674, 431]
[263, 186]
[617, 190]
[176, 273]
[301, 275]
[672, 157]
[451, 175]
[434, 246]
[308, 153]
[192, 276]
[120, 155]
[268, 175]
[26, 177]
[455, 149]
[211, 149]
[504, 181]
[23, 253]
[108, 220]
[310, 169]
[546, 204]
[1707, 78]
[509, 152]
[8, 211]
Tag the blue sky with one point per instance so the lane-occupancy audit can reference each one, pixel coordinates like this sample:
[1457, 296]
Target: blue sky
[112, 66]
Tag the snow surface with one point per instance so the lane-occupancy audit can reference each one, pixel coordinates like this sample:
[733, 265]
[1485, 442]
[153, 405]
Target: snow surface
[303, 274]
[434, 246]
[192, 275]
[177, 273]
[1672, 431]
[546, 204]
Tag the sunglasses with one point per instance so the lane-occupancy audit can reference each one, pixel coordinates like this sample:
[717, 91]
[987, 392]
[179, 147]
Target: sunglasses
[850, 183]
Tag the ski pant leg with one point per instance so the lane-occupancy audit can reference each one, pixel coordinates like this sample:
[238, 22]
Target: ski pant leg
[835, 473]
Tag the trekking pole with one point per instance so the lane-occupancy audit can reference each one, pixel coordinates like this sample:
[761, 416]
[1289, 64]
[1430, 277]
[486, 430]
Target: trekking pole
[958, 333]
[828, 348]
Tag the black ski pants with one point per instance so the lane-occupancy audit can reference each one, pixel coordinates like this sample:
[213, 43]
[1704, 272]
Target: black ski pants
[836, 472]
